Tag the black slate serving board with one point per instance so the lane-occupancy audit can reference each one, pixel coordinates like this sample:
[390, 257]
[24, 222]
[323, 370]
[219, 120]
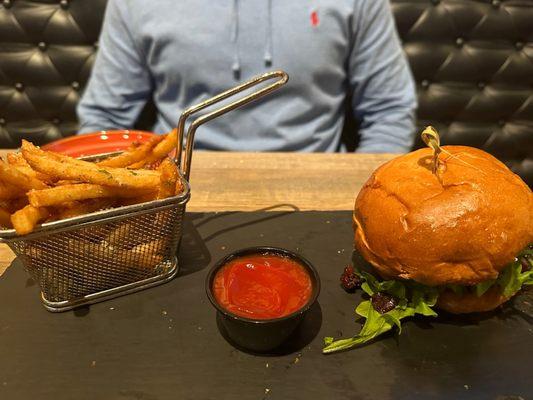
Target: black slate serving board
[164, 343]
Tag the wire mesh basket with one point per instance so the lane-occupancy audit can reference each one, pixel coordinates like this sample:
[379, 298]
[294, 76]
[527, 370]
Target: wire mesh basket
[94, 257]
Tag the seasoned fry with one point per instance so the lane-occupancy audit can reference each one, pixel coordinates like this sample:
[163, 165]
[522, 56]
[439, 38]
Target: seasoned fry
[19, 179]
[27, 170]
[24, 220]
[38, 186]
[169, 176]
[16, 159]
[147, 255]
[77, 208]
[81, 191]
[160, 151]
[63, 167]
[132, 155]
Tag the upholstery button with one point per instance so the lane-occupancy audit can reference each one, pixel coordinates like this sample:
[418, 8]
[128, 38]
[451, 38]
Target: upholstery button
[519, 45]
[75, 85]
[2, 121]
[56, 121]
[7, 3]
[19, 86]
[41, 46]
[496, 3]
[425, 83]
[459, 42]
[64, 4]
[481, 85]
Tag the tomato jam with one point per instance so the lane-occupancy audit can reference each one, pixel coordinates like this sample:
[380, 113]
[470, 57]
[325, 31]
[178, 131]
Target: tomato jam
[262, 286]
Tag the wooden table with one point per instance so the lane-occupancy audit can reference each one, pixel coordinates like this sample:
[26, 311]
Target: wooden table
[228, 181]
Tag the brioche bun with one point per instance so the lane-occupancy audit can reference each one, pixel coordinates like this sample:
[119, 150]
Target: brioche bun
[468, 302]
[461, 226]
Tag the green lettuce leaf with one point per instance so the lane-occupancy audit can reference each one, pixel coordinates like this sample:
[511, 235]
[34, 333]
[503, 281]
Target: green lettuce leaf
[511, 279]
[419, 301]
[482, 287]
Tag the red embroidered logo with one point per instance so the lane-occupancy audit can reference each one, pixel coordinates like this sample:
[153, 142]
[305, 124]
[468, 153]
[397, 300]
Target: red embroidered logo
[314, 18]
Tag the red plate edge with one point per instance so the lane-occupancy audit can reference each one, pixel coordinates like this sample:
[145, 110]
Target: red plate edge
[97, 142]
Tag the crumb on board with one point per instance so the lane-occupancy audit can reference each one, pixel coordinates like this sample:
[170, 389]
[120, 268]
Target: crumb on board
[111, 308]
[467, 387]
[93, 363]
[163, 312]
[267, 390]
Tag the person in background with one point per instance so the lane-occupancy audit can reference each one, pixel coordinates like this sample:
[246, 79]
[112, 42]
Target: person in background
[179, 53]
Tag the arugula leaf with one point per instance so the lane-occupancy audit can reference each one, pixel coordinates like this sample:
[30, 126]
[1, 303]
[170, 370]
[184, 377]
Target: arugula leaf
[421, 301]
[512, 278]
[421, 305]
[482, 287]
[375, 325]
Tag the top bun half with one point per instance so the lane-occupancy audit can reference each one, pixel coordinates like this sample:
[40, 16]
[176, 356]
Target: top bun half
[461, 226]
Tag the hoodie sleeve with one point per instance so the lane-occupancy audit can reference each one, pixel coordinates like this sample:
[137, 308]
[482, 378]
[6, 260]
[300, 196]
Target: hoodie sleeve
[120, 83]
[383, 92]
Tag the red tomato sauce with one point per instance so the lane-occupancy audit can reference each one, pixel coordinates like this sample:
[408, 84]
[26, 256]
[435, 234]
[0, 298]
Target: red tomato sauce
[262, 286]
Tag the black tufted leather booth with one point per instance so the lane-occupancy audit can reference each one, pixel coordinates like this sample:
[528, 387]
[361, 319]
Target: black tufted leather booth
[472, 60]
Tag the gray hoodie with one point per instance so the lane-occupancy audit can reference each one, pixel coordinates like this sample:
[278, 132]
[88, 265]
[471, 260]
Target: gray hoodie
[180, 52]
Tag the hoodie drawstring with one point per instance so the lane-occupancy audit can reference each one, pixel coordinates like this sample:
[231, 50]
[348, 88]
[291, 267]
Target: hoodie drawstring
[268, 45]
[267, 57]
[236, 66]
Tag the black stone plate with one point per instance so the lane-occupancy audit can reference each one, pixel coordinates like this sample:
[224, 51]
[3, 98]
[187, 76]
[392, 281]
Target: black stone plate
[164, 343]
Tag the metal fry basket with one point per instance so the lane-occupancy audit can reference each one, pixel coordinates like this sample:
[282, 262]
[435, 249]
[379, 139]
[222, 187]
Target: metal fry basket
[94, 257]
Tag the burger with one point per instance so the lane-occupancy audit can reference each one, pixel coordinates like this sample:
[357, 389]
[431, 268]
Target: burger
[451, 232]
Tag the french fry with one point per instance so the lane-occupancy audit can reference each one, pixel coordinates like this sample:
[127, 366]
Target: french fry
[81, 191]
[179, 187]
[13, 176]
[38, 186]
[160, 151]
[77, 208]
[16, 159]
[169, 176]
[63, 167]
[147, 255]
[27, 170]
[24, 220]
[132, 155]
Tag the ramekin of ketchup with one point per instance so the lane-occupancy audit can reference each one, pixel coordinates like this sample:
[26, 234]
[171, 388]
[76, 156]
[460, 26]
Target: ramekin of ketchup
[261, 295]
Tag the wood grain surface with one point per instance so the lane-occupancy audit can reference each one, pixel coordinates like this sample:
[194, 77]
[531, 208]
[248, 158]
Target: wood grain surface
[229, 181]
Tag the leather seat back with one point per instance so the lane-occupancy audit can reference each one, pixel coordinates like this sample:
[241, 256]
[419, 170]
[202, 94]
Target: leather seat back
[472, 61]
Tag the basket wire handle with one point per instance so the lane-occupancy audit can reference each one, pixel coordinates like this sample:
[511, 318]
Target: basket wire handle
[282, 79]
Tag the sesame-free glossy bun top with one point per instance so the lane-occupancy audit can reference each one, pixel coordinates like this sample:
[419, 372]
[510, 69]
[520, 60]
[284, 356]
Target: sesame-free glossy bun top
[461, 226]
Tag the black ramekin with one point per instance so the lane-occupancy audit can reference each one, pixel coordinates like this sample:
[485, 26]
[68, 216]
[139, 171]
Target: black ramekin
[261, 335]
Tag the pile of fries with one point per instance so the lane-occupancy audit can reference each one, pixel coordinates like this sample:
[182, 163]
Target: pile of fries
[39, 186]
